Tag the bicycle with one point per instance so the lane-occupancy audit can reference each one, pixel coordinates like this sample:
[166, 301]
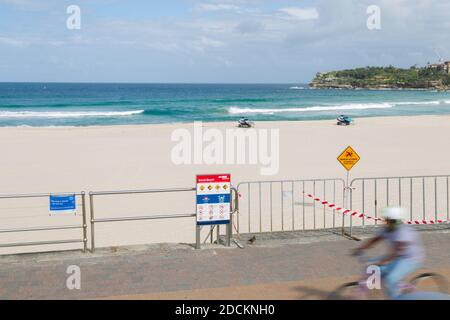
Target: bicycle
[359, 290]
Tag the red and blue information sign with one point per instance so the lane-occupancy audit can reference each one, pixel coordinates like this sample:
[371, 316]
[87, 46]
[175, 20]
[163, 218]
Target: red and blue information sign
[213, 199]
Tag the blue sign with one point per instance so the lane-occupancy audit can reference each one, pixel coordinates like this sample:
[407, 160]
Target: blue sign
[63, 203]
[213, 198]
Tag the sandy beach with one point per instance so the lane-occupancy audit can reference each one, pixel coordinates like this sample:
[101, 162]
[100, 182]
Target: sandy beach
[63, 159]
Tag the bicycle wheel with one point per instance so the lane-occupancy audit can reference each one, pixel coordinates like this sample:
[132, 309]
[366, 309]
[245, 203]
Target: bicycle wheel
[430, 281]
[348, 291]
[352, 291]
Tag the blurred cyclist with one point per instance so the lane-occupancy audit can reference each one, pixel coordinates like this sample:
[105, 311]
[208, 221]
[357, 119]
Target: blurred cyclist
[406, 251]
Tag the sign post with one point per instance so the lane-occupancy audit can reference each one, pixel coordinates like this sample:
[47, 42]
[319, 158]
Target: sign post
[213, 201]
[349, 158]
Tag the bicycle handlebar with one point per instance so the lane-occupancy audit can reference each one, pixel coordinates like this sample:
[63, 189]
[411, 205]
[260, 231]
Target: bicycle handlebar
[362, 257]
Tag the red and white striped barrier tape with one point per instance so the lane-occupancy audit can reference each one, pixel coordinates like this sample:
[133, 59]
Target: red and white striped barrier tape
[363, 215]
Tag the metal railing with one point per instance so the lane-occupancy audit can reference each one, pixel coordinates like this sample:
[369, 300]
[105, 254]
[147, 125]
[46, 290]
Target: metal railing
[135, 218]
[93, 220]
[82, 226]
[283, 205]
[425, 197]
[280, 205]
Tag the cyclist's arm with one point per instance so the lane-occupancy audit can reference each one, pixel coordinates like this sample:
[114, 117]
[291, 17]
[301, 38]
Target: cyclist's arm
[398, 249]
[370, 243]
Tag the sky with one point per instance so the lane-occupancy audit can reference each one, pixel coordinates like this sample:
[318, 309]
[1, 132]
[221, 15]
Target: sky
[214, 41]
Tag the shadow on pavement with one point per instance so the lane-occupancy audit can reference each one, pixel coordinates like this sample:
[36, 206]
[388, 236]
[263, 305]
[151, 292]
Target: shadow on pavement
[309, 293]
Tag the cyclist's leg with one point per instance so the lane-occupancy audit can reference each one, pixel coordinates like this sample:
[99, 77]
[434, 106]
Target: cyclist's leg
[375, 261]
[398, 270]
[386, 269]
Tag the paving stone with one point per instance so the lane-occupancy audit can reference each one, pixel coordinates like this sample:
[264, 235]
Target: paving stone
[168, 268]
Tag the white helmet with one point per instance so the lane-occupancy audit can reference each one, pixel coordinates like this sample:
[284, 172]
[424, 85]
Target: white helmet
[394, 213]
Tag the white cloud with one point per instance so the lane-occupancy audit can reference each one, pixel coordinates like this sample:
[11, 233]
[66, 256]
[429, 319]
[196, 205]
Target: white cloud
[12, 42]
[208, 7]
[301, 13]
[25, 4]
[211, 42]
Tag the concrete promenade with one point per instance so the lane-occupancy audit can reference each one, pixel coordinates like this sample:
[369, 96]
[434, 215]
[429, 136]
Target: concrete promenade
[300, 265]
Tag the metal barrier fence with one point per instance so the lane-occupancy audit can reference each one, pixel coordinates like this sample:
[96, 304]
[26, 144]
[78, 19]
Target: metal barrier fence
[270, 206]
[283, 205]
[150, 217]
[425, 197]
[82, 226]
[135, 218]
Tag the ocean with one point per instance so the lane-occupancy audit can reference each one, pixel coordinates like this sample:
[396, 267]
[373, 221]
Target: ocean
[64, 104]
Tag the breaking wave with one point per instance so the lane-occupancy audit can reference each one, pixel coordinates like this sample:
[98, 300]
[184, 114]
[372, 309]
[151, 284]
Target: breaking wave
[350, 106]
[297, 88]
[435, 102]
[74, 114]
[356, 106]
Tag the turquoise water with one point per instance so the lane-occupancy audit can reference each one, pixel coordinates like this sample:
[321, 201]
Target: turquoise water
[51, 104]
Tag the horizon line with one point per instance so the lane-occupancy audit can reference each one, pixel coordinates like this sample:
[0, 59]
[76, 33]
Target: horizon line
[131, 82]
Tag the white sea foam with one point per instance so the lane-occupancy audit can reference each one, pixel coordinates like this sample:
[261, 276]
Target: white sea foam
[297, 88]
[353, 106]
[350, 106]
[436, 102]
[74, 114]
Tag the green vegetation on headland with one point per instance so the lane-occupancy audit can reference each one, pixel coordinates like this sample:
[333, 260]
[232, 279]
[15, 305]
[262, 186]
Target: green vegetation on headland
[432, 77]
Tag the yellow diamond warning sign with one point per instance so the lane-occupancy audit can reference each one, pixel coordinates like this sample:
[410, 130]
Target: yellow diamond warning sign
[349, 158]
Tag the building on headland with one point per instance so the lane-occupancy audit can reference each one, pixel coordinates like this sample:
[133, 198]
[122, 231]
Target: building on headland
[441, 66]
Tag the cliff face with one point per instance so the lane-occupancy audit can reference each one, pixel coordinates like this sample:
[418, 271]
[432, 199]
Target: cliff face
[383, 78]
